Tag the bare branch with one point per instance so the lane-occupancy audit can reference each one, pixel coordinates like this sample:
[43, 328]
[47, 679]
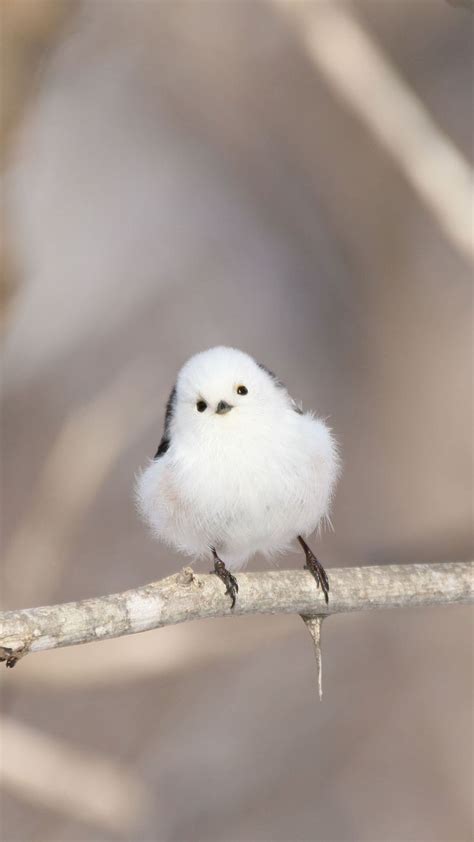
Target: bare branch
[187, 596]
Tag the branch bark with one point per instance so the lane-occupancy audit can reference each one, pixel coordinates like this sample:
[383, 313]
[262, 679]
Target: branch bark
[187, 596]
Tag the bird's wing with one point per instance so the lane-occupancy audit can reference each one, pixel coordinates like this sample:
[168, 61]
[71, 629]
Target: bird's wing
[166, 437]
[296, 406]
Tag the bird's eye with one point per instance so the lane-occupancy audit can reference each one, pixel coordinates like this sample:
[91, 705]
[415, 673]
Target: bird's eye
[201, 406]
[242, 390]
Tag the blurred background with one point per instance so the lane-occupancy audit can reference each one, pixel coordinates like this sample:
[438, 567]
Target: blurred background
[295, 180]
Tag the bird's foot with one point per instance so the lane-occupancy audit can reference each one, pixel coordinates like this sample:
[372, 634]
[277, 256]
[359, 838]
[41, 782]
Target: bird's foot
[316, 569]
[230, 582]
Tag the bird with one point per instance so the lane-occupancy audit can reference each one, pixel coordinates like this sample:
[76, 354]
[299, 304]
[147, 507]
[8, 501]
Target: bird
[240, 468]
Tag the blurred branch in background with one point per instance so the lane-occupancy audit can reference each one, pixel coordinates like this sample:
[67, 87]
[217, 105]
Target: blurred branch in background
[363, 76]
[79, 783]
[184, 597]
[86, 447]
[28, 29]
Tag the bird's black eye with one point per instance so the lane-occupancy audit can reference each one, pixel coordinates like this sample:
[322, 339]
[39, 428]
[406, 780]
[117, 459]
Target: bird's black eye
[201, 406]
[242, 390]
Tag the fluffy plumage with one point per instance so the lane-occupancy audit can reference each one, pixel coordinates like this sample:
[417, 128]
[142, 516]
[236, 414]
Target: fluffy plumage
[242, 480]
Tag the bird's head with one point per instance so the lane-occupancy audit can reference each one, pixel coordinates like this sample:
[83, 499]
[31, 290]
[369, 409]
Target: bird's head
[223, 390]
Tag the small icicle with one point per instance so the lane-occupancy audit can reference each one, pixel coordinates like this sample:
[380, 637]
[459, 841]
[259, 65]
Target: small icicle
[313, 624]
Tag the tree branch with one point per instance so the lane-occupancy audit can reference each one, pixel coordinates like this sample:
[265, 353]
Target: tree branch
[187, 596]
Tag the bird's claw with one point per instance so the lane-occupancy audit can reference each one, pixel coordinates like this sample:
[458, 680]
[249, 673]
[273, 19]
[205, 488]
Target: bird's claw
[229, 580]
[318, 572]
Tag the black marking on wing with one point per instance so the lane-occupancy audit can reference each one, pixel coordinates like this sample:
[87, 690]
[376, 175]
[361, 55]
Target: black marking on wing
[166, 439]
[276, 380]
[281, 385]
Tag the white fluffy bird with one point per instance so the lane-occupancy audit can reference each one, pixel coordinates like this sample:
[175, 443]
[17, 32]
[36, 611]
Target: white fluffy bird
[240, 469]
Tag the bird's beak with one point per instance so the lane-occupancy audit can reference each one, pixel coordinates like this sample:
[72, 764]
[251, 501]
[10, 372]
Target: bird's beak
[223, 407]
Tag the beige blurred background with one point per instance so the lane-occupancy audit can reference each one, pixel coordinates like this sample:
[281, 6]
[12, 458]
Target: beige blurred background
[295, 181]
